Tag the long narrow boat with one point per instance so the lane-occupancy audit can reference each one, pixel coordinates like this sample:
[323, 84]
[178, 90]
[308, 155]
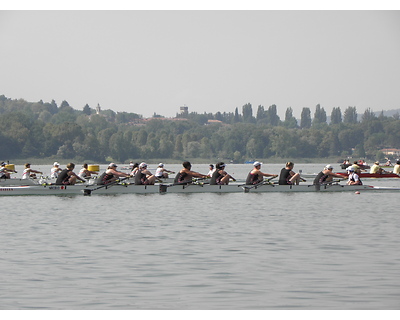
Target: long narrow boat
[192, 188]
[372, 175]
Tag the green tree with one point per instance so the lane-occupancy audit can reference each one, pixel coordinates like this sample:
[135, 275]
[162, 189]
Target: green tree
[305, 120]
[86, 110]
[350, 115]
[336, 116]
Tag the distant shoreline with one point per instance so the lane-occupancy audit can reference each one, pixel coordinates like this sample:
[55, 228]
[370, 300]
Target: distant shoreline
[50, 161]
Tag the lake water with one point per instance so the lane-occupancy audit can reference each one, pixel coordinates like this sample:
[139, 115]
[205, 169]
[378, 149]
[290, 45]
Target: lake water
[202, 251]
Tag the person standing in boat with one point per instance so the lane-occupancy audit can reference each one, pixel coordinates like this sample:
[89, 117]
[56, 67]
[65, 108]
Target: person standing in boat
[256, 176]
[161, 172]
[326, 175]
[288, 176]
[186, 174]
[68, 176]
[111, 175]
[55, 171]
[29, 173]
[220, 176]
[85, 173]
[144, 176]
[353, 178]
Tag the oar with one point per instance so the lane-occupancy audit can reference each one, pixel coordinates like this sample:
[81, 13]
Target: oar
[247, 188]
[88, 192]
[164, 187]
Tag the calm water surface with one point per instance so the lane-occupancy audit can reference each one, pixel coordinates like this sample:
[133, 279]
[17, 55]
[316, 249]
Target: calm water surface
[202, 251]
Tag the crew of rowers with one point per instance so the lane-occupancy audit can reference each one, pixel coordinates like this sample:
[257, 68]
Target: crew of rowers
[217, 175]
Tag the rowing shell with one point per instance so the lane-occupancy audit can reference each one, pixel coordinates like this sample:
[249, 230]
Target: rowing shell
[193, 188]
[372, 175]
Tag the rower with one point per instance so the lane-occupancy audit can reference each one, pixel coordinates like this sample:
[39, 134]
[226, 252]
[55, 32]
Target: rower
[326, 175]
[185, 175]
[5, 173]
[288, 176]
[161, 172]
[55, 171]
[111, 174]
[376, 168]
[29, 173]
[85, 173]
[220, 176]
[396, 168]
[68, 176]
[255, 176]
[144, 176]
[212, 170]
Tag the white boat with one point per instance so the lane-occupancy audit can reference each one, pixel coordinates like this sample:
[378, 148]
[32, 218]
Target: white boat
[18, 182]
[191, 188]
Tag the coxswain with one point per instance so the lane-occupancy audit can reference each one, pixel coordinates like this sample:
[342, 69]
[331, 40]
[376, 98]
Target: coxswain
[353, 178]
[68, 176]
[144, 176]
[220, 176]
[111, 175]
[326, 175]
[186, 175]
[255, 176]
[161, 172]
[288, 176]
[29, 173]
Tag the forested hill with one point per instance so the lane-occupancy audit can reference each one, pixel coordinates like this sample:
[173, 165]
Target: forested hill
[39, 129]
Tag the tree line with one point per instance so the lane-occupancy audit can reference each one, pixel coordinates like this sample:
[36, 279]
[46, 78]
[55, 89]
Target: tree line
[39, 129]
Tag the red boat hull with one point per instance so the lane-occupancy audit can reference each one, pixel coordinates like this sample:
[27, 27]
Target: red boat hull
[372, 175]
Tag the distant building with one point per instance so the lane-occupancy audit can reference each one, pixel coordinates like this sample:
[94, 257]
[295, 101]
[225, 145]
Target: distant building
[98, 109]
[391, 152]
[184, 110]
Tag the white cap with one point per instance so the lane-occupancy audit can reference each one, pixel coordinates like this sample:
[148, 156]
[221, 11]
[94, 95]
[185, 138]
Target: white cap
[350, 169]
[55, 164]
[142, 165]
[257, 164]
[328, 166]
[161, 164]
[112, 164]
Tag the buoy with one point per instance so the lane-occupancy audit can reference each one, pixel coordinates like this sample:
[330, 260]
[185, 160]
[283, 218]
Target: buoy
[94, 167]
[10, 167]
[357, 192]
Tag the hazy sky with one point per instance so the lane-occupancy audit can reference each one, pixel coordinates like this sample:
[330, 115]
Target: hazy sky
[157, 61]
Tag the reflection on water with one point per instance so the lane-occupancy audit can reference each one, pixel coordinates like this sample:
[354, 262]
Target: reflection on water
[202, 251]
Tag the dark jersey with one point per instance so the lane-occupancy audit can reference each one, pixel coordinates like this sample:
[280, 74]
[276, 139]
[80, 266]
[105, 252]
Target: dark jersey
[140, 178]
[104, 178]
[253, 178]
[216, 177]
[320, 178]
[63, 177]
[181, 177]
[285, 176]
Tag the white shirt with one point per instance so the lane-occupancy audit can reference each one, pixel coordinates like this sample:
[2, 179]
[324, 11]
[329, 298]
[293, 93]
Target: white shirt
[159, 172]
[54, 173]
[25, 174]
[396, 169]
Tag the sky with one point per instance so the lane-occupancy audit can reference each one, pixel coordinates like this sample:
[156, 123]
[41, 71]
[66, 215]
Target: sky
[155, 61]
